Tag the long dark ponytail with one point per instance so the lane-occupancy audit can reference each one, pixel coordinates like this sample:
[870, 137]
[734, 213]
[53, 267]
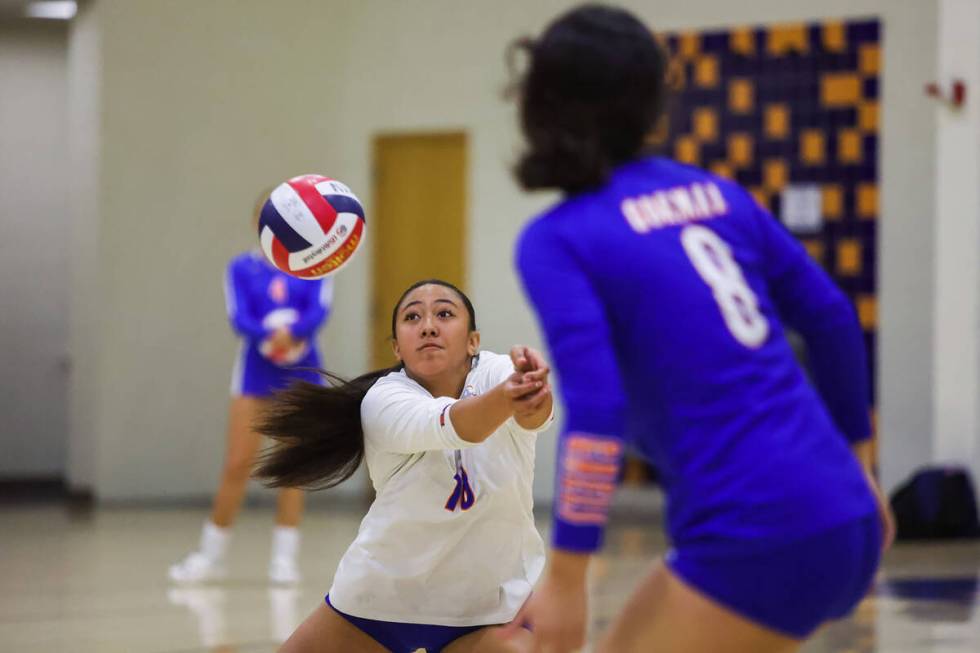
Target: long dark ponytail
[319, 441]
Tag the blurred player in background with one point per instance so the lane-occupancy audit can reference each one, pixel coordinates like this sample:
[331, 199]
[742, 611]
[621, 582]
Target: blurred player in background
[277, 317]
[662, 291]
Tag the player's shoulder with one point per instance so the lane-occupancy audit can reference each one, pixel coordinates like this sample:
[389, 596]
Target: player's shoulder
[382, 392]
[556, 224]
[735, 194]
[392, 381]
[659, 172]
[664, 180]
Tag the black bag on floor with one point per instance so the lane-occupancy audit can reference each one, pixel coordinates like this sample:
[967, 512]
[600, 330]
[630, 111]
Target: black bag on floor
[936, 503]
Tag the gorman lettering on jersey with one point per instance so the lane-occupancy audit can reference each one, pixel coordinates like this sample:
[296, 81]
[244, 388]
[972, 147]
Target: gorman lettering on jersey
[674, 206]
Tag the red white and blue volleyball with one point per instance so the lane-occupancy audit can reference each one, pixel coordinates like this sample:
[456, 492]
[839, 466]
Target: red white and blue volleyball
[311, 226]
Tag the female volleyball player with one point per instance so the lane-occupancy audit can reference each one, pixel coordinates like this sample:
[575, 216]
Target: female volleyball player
[449, 546]
[662, 291]
[277, 317]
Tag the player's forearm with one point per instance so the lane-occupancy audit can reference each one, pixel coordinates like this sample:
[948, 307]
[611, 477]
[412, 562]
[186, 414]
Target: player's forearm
[588, 468]
[248, 327]
[535, 420]
[476, 418]
[308, 322]
[839, 367]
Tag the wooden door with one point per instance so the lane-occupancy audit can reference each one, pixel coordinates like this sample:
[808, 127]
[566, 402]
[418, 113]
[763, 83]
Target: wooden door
[419, 222]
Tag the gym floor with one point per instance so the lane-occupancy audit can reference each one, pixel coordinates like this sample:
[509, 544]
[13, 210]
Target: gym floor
[84, 580]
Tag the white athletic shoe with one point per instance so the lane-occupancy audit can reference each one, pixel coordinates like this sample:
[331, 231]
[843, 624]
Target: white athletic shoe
[197, 568]
[284, 570]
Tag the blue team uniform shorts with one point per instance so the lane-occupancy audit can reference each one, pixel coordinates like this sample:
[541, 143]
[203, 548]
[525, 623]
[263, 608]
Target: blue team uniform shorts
[400, 637]
[255, 376]
[795, 587]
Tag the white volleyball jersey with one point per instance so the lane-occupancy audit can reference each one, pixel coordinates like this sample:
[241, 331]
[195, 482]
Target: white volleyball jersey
[450, 538]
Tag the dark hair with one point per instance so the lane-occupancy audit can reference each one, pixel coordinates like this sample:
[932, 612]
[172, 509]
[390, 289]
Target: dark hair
[319, 441]
[434, 282]
[593, 89]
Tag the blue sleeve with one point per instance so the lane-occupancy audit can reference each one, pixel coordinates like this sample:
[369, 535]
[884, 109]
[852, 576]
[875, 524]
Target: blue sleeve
[315, 310]
[238, 306]
[811, 303]
[590, 445]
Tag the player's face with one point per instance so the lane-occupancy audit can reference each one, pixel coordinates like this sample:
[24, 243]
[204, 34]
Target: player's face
[432, 332]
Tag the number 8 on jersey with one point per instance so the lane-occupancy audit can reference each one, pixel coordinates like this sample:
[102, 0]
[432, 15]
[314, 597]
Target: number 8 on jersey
[712, 258]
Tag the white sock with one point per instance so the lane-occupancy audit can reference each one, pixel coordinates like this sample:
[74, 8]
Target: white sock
[214, 540]
[283, 610]
[285, 542]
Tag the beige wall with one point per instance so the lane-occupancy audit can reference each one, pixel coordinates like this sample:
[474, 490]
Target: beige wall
[84, 342]
[33, 249]
[956, 431]
[205, 102]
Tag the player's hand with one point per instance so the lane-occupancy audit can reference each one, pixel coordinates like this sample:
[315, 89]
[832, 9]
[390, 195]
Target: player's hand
[518, 387]
[282, 339]
[532, 364]
[526, 359]
[556, 615]
[530, 404]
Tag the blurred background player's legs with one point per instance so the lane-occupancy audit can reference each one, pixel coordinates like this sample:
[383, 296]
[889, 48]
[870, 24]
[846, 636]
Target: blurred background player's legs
[283, 567]
[243, 444]
[289, 507]
[208, 562]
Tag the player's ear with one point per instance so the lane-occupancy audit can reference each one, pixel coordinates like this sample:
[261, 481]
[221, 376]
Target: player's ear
[473, 343]
[395, 349]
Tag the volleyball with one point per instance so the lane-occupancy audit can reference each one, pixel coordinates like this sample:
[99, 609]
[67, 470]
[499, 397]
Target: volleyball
[311, 226]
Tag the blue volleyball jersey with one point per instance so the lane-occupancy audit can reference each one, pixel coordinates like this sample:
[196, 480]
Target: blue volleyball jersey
[260, 297]
[662, 297]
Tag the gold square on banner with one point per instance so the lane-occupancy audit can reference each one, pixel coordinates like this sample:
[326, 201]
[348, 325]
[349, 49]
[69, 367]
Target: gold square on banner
[834, 37]
[867, 309]
[867, 201]
[812, 147]
[741, 95]
[775, 175]
[833, 202]
[705, 124]
[868, 116]
[689, 45]
[686, 150]
[849, 145]
[777, 121]
[706, 71]
[723, 169]
[761, 196]
[869, 59]
[788, 38]
[815, 249]
[848, 257]
[740, 147]
[742, 41]
[840, 90]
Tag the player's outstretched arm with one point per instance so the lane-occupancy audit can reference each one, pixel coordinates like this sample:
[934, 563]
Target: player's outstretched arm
[476, 418]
